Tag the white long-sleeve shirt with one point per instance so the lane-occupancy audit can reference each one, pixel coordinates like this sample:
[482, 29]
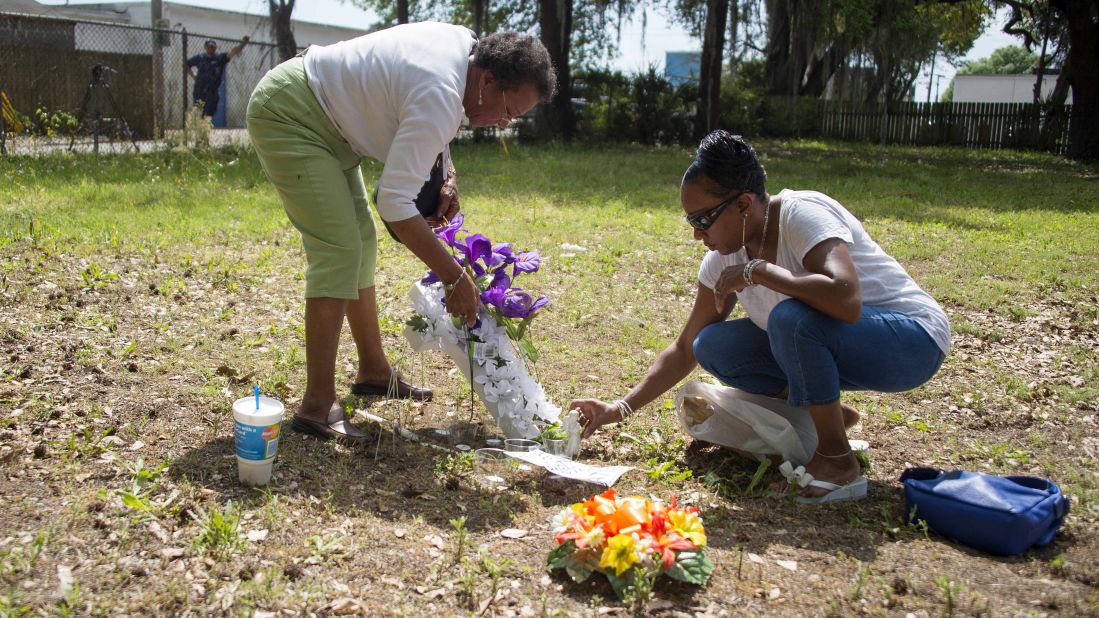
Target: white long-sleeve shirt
[396, 96]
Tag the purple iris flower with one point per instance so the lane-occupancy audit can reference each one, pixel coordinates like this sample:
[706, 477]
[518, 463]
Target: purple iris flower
[449, 232]
[494, 296]
[502, 253]
[519, 304]
[478, 270]
[500, 279]
[527, 262]
[477, 246]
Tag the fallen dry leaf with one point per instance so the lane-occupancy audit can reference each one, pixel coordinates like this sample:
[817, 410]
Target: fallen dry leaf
[65, 580]
[344, 606]
[171, 553]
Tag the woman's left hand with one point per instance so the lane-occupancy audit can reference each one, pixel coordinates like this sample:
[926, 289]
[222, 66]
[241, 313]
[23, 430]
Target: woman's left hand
[594, 414]
[448, 202]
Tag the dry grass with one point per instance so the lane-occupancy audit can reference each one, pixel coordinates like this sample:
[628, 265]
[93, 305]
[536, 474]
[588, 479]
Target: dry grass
[141, 295]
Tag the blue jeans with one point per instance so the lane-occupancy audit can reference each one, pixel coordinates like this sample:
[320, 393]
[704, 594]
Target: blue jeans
[817, 356]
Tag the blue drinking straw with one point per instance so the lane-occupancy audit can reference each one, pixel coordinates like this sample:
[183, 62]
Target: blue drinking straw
[255, 389]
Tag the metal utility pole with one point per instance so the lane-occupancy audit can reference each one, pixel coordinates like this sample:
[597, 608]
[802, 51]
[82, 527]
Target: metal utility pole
[159, 37]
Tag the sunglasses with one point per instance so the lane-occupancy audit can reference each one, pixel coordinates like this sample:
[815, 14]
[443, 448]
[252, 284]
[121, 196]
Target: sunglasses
[702, 221]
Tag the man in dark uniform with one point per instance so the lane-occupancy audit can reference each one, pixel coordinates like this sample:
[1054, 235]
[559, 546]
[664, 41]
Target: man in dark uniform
[210, 68]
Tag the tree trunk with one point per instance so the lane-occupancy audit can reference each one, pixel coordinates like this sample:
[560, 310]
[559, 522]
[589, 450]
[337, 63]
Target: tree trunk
[1083, 66]
[734, 34]
[281, 28]
[709, 83]
[555, 22]
[1042, 58]
[778, 62]
[402, 11]
[821, 69]
[480, 9]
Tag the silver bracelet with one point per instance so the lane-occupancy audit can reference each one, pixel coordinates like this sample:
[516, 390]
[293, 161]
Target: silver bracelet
[624, 408]
[749, 268]
[449, 287]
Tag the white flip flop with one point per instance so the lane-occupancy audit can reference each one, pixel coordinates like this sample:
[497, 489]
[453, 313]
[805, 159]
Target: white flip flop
[855, 490]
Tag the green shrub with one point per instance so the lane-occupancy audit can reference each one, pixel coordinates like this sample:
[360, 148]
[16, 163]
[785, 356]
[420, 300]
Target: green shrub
[742, 95]
[44, 123]
[644, 107]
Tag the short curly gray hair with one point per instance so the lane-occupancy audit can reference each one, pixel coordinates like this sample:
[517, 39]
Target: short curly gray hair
[516, 59]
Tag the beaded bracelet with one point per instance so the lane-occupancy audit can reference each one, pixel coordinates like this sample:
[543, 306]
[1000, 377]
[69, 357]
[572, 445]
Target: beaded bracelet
[748, 270]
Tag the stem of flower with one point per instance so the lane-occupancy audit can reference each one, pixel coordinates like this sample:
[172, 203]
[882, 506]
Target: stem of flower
[469, 354]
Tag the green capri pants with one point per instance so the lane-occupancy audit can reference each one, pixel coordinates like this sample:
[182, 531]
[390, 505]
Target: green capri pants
[318, 178]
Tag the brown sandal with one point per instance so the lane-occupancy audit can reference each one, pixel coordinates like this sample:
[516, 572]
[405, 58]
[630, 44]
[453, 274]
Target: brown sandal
[341, 430]
[399, 390]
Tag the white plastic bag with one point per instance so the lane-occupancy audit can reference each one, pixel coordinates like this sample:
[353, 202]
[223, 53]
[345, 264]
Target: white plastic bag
[755, 424]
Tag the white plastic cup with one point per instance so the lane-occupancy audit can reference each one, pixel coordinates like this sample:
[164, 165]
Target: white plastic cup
[257, 438]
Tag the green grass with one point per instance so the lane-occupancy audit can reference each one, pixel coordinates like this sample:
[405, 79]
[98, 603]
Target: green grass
[981, 230]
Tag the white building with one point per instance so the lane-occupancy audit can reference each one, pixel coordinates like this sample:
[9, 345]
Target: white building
[199, 23]
[199, 20]
[1001, 88]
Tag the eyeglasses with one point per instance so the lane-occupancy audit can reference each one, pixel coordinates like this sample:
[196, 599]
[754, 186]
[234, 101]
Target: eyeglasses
[703, 220]
[505, 115]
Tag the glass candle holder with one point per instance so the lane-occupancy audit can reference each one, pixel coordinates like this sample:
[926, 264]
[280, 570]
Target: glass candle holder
[559, 447]
[462, 433]
[492, 466]
[519, 445]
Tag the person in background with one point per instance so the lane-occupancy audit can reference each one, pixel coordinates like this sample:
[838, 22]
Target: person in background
[828, 310]
[398, 96]
[208, 71]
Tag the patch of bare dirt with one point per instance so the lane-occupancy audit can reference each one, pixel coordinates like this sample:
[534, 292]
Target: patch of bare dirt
[103, 377]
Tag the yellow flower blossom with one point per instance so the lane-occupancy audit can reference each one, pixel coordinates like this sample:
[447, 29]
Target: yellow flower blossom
[688, 525]
[619, 554]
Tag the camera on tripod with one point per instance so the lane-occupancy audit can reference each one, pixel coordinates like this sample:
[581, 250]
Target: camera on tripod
[97, 71]
[99, 112]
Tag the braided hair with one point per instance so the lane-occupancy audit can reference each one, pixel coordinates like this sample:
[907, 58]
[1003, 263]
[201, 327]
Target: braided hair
[730, 162]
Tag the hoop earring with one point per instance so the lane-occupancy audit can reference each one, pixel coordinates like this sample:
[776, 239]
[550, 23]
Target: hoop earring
[744, 233]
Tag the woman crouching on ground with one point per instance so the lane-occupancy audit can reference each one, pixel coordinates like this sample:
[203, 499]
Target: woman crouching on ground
[828, 310]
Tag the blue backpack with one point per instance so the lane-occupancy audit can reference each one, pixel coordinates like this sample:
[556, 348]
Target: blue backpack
[1002, 515]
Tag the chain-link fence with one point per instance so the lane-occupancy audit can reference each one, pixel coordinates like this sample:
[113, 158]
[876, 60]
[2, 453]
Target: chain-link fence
[62, 77]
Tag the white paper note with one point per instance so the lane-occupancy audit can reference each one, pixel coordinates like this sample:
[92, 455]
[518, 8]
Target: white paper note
[561, 466]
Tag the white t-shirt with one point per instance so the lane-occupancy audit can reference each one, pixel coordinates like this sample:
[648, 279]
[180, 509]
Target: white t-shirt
[396, 96]
[808, 218]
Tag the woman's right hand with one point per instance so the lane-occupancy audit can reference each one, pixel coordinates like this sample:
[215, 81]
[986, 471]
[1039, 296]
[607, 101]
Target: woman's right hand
[463, 300]
[594, 414]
